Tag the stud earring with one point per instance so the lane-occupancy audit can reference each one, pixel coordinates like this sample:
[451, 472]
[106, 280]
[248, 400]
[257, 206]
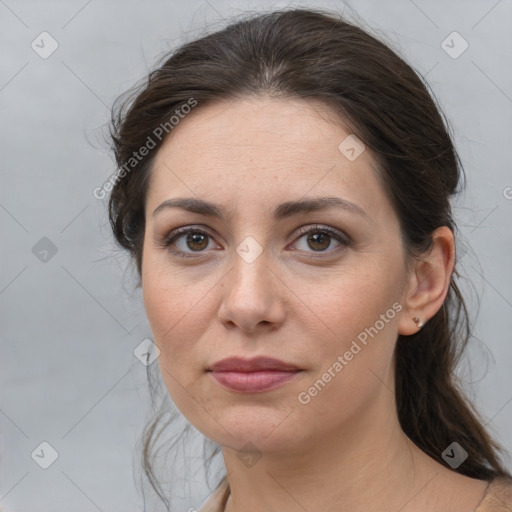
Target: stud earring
[419, 323]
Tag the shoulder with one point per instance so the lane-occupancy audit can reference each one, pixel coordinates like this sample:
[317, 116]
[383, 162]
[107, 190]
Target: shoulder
[498, 497]
[217, 500]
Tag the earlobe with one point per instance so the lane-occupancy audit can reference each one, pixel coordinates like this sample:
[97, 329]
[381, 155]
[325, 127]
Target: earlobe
[419, 323]
[429, 283]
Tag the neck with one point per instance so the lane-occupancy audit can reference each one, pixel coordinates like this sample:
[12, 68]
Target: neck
[357, 467]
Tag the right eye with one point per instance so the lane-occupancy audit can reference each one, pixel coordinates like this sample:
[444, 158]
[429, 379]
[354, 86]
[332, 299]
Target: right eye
[196, 240]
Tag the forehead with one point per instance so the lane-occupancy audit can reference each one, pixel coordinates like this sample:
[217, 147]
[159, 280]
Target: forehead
[263, 150]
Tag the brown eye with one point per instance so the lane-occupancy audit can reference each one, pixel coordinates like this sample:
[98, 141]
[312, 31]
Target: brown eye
[193, 240]
[319, 241]
[196, 241]
[184, 242]
[319, 238]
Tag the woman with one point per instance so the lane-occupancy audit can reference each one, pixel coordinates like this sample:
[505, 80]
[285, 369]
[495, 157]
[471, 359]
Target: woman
[284, 191]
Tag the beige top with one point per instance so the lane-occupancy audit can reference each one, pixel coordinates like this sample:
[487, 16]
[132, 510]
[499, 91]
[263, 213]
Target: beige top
[498, 497]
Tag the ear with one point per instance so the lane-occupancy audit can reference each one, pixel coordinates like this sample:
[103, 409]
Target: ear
[428, 282]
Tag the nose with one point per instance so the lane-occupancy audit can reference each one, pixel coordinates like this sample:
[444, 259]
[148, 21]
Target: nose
[253, 296]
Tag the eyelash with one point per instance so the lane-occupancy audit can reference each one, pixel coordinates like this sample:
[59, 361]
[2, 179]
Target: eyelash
[176, 234]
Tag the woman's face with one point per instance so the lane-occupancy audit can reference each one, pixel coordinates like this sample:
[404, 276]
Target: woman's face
[253, 282]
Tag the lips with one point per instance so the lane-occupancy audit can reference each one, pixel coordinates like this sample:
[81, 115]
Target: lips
[253, 375]
[238, 364]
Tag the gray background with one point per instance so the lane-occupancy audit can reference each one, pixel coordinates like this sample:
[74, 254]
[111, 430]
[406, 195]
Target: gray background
[69, 325]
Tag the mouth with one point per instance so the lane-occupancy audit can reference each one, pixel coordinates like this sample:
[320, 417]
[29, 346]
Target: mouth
[253, 375]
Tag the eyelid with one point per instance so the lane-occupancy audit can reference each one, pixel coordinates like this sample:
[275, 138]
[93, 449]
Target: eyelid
[342, 236]
[167, 240]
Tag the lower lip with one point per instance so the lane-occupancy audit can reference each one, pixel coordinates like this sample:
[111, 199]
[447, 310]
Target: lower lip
[254, 382]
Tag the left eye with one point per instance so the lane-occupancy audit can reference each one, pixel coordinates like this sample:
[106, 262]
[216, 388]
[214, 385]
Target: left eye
[318, 238]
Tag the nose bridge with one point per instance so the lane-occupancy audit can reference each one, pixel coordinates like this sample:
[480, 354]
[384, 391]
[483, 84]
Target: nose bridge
[249, 292]
[251, 255]
[250, 271]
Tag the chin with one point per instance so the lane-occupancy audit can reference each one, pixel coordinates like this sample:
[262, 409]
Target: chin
[269, 430]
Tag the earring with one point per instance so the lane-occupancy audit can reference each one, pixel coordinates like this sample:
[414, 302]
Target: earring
[418, 322]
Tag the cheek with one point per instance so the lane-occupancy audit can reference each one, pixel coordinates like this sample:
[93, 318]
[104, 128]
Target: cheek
[176, 308]
[347, 304]
[354, 349]
[170, 314]
[173, 317]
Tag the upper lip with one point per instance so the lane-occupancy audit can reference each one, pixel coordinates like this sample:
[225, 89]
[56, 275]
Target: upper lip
[239, 364]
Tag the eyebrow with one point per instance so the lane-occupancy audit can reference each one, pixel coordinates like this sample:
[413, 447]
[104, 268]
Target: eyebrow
[282, 211]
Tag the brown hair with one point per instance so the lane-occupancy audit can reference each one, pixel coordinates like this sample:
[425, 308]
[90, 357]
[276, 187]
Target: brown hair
[318, 55]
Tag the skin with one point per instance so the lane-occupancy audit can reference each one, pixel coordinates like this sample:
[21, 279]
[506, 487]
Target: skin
[299, 301]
